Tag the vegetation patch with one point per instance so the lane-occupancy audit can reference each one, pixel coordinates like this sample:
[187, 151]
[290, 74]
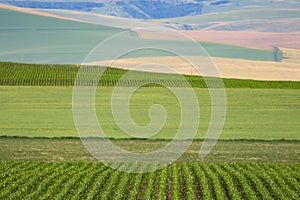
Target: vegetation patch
[65, 180]
[72, 149]
[65, 75]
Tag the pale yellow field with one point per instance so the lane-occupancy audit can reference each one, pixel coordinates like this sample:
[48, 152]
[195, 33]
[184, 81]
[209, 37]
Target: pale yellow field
[290, 55]
[260, 40]
[228, 68]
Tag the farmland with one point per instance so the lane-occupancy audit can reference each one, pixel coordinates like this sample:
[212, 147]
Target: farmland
[257, 155]
[47, 40]
[50, 40]
[42, 156]
[33, 180]
[287, 70]
[237, 15]
[44, 149]
[269, 109]
[250, 19]
[65, 75]
[251, 114]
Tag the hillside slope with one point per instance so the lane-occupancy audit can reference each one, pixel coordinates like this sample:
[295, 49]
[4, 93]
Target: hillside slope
[26, 37]
[153, 9]
[254, 19]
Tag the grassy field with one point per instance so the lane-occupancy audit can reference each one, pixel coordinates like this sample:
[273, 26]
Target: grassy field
[251, 113]
[72, 150]
[32, 180]
[268, 111]
[41, 156]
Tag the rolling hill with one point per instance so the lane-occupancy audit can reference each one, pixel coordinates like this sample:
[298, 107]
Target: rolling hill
[100, 19]
[34, 38]
[145, 9]
[153, 9]
[255, 19]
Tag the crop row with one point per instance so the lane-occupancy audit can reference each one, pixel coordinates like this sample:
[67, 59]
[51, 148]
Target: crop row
[64, 180]
[65, 75]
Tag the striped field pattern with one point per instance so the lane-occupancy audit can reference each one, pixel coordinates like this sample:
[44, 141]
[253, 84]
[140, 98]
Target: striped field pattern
[86, 180]
[65, 75]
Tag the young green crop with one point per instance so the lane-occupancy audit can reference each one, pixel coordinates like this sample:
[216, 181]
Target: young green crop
[257, 184]
[227, 183]
[65, 75]
[162, 184]
[176, 182]
[216, 186]
[135, 186]
[240, 181]
[88, 180]
[206, 192]
[37, 180]
[96, 186]
[150, 186]
[189, 181]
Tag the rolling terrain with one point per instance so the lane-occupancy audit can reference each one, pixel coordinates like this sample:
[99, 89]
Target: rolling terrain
[43, 94]
[154, 9]
[288, 70]
[255, 47]
[51, 40]
[44, 39]
[258, 19]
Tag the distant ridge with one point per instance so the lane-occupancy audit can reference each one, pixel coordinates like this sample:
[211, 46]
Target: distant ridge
[153, 9]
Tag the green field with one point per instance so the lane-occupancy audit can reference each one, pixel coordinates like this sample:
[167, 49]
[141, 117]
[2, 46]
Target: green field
[251, 113]
[72, 150]
[41, 156]
[37, 102]
[65, 75]
[64, 180]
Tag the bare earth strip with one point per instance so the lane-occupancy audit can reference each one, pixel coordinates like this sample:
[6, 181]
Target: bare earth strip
[35, 12]
[228, 68]
[241, 38]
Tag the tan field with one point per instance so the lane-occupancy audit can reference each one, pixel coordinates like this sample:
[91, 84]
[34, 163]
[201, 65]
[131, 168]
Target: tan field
[228, 68]
[261, 40]
[291, 55]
